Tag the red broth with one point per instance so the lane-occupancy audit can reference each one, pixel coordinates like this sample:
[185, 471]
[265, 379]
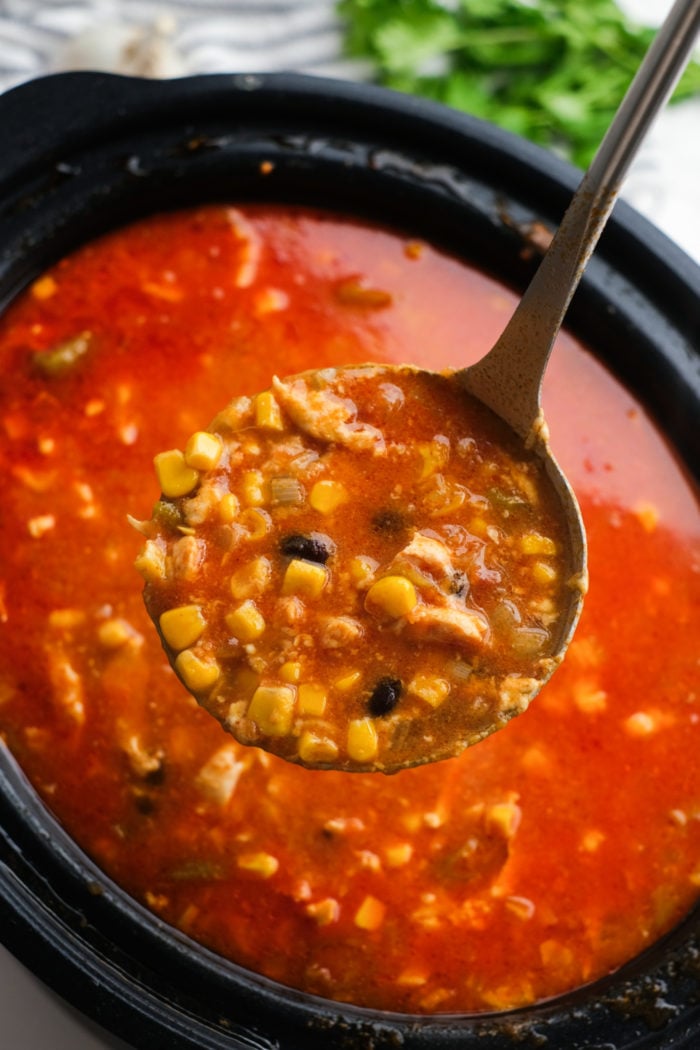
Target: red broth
[543, 857]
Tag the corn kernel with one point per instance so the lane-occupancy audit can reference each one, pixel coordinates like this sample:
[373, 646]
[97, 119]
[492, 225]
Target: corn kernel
[433, 691]
[181, 627]
[257, 522]
[346, 683]
[370, 914]
[253, 494]
[44, 287]
[503, 818]
[290, 671]
[267, 411]
[314, 748]
[312, 699]
[326, 496]
[362, 570]
[543, 573]
[41, 524]
[324, 911]
[648, 516]
[174, 476]
[246, 623]
[534, 543]
[150, 561]
[392, 597]
[203, 451]
[398, 855]
[592, 840]
[363, 742]
[229, 508]
[272, 707]
[197, 674]
[115, 633]
[251, 579]
[640, 724]
[305, 578]
[66, 619]
[263, 864]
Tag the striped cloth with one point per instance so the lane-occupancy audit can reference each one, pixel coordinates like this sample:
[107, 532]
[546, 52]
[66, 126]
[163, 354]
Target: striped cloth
[148, 38]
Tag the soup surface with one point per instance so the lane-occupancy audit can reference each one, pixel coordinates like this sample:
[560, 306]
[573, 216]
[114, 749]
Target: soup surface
[543, 857]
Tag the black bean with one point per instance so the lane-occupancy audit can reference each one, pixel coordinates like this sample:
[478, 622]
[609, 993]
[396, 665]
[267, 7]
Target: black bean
[389, 521]
[385, 697]
[314, 547]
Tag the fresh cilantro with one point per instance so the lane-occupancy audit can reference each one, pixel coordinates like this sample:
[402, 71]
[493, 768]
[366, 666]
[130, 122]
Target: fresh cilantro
[553, 71]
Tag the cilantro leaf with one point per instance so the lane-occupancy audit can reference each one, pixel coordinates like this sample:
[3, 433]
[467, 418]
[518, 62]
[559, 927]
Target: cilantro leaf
[553, 71]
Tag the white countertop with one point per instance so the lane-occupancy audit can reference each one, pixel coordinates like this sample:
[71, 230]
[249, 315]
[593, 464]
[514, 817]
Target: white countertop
[182, 37]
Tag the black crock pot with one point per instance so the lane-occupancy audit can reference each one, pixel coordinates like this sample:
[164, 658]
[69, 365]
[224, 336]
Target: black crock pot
[85, 152]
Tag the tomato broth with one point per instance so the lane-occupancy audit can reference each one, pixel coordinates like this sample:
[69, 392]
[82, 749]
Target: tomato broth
[542, 858]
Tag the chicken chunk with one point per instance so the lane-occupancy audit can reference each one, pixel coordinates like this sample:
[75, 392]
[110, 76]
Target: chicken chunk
[326, 416]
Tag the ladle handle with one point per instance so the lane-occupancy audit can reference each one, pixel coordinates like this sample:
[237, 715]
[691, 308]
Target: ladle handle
[509, 377]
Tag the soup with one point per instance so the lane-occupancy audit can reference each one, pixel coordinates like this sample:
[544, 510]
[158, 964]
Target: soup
[422, 619]
[540, 859]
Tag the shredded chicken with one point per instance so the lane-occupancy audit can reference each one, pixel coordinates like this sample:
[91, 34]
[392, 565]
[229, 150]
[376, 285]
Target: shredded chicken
[327, 417]
[461, 627]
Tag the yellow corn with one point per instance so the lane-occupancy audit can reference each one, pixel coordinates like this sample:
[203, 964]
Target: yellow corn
[534, 543]
[290, 671]
[263, 864]
[433, 691]
[174, 476]
[311, 699]
[66, 619]
[246, 623]
[363, 743]
[324, 911]
[391, 597]
[398, 855]
[181, 627]
[326, 496]
[640, 724]
[543, 573]
[503, 818]
[305, 578]
[346, 683]
[362, 570]
[114, 633]
[197, 674]
[44, 287]
[267, 411]
[229, 508]
[150, 561]
[256, 521]
[314, 748]
[253, 494]
[203, 450]
[272, 707]
[370, 914]
[251, 579]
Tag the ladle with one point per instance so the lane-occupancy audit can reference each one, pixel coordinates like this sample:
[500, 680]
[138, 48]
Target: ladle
[508, 381]
[509, 377]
